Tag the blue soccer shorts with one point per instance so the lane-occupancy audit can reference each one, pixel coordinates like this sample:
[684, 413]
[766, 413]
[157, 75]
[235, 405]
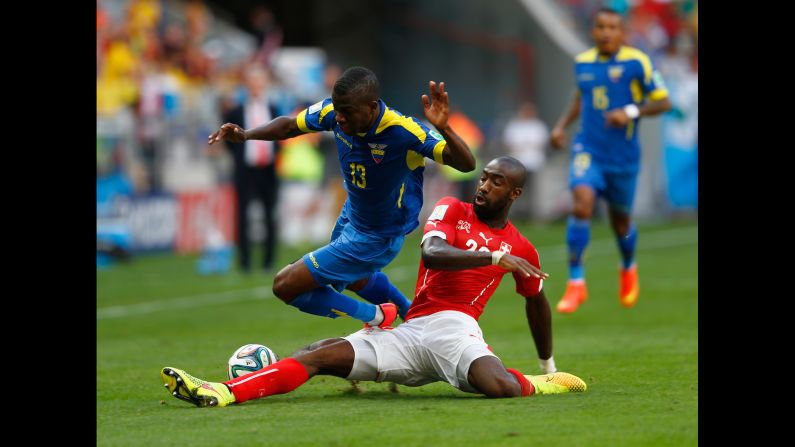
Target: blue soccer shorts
[618, 188]
[351, 255]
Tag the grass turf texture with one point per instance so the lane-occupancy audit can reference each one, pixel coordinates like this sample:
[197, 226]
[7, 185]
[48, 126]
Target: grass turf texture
[641, 364]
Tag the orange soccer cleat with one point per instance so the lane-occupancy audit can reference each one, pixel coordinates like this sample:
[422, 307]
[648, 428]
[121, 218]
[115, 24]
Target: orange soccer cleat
[629, 287]
[390, 311]
[575, 295]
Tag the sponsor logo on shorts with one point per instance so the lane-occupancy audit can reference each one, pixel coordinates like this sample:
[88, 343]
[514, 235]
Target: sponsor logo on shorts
[314, 261]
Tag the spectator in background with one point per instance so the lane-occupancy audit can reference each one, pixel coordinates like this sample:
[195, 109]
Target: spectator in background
[267, 32]
[680, 125]
[332, 179]
[300, 169]
[254, 168]
[525, 138]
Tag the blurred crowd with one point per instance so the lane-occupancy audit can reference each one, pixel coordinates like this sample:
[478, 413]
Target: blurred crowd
[170, 71]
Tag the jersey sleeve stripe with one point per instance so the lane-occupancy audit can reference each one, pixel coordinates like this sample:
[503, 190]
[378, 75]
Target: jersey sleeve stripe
[587, 56]
[301, 121]
[414, 160]
[629, 53]
[325, 111]
[391, 118]
[658, 94]
[437, 152]
[433, 233]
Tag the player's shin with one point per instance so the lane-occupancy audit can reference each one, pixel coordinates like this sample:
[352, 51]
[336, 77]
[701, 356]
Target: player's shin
[578, 234]
[279, 378]
[626, 244]
[379, 290]
[326, 302]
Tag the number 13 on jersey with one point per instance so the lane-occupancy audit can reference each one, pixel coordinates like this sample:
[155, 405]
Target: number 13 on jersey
[358, 170]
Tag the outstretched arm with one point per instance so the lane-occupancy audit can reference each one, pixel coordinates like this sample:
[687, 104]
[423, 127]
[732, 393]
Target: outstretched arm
[572, 112]
[439, 255]
[456, 152]
[280, 128]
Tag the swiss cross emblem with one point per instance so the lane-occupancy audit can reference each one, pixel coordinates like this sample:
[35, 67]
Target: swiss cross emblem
[463, 225]
[505, 247]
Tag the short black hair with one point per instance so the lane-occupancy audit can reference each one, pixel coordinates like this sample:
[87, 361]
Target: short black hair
[516, 173]
[358, 81]
[606, 10]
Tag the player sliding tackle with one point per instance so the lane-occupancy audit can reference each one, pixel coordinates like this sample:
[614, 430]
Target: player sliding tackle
[466, 250]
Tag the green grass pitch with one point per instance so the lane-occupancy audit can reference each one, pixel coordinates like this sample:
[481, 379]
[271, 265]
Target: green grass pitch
[641, 365]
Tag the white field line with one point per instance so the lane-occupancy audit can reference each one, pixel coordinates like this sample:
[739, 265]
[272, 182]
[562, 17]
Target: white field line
[598, 247]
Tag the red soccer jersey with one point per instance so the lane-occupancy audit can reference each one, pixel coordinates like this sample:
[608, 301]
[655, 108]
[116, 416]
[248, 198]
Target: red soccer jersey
[468, 290]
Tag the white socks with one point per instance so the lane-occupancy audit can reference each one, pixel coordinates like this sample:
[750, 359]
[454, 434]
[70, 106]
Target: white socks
[548, 365]
[379, 317]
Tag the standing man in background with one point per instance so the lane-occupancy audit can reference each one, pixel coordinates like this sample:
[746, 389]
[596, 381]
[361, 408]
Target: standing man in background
[254, 168]
[526, 137]
[612, 82]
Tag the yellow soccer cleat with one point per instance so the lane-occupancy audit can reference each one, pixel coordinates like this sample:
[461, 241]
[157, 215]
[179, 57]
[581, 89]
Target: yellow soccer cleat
[629, 286]
[557, 383]
[196, 391]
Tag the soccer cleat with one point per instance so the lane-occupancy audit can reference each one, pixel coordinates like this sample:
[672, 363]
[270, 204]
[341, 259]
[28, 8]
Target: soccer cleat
[576, 294]
[196, 391]
[390, 313]
[629, 287]
[557, 383]
[402, 311]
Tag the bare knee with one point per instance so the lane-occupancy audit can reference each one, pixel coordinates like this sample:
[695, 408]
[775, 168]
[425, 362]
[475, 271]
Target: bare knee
[583, 203]
[503, 386]
[620, 222]
[358, 285]
[293, 280]
[284, 285]
[488, 375]
[582, 212]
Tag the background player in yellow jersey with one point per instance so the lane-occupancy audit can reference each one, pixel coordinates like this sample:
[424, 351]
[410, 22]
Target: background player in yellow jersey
[613, 80]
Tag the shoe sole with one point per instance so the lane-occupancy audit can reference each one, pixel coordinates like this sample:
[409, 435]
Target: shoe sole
[176, 386]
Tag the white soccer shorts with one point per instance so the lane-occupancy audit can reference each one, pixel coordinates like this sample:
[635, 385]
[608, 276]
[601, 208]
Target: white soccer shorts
[438, 347]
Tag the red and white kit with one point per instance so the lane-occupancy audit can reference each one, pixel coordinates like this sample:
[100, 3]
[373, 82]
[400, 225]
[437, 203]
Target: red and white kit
[441, 336]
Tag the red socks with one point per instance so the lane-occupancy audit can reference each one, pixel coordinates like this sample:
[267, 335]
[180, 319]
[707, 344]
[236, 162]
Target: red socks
[527, 387]
[279, 378]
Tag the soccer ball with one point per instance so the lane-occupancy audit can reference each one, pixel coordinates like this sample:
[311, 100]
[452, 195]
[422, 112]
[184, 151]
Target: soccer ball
[250, 358]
